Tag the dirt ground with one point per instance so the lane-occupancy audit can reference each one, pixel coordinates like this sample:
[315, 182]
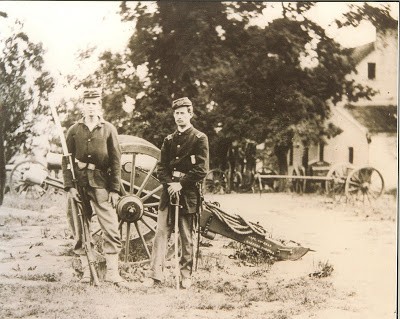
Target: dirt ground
[39, 275]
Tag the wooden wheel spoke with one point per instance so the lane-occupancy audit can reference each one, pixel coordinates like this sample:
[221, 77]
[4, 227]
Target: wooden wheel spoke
[151, 193]
[148, 214]
[123, 190]
[128, 230]
[142, 239]
[149, 174]
[352, 183]
[133, 172]
[151, 204]
[374, 196]
[148, 225]
[121, 222]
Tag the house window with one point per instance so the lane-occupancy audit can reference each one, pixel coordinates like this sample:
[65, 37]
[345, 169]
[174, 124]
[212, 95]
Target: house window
[351, 155]
[371, 71]
[321, 152]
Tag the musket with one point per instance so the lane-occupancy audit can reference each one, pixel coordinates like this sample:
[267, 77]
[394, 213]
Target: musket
[86, 242]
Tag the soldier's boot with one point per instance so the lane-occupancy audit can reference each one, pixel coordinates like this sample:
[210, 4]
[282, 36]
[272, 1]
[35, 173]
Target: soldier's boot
[85, 269]
[112, 274]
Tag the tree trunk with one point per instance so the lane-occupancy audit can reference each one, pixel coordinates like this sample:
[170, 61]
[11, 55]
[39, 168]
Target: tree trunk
[281, 155]
[2, 155]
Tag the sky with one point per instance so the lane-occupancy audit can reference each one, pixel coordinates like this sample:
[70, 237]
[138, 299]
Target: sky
[65, 27]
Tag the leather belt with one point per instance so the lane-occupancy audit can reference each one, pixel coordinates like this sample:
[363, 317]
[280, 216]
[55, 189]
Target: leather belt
[82, 165]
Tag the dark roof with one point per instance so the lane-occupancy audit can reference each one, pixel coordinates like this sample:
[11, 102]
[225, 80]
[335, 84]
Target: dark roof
[359, 53]
[376, 118]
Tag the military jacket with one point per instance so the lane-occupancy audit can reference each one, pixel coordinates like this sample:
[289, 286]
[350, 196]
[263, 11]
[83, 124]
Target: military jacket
[184, 159]
[99, 147]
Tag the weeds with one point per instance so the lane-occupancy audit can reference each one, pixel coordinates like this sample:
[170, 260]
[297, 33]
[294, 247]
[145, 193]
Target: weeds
[325, 269]
[250, 256]
[48, 277]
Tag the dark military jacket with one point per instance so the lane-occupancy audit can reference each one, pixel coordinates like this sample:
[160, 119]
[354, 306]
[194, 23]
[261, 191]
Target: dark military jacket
[99, 147]
[184, 159]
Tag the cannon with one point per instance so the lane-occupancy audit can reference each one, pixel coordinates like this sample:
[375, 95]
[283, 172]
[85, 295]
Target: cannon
[140, 196]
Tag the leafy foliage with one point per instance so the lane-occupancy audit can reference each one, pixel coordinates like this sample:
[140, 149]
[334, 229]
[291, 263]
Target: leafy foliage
[24, 88]
[379, 16]
[274, 83]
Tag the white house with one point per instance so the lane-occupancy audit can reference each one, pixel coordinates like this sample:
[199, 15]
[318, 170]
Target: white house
[369, 136]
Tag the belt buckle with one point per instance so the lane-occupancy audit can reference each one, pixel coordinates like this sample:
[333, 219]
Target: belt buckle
[81, 165]
[176, 174]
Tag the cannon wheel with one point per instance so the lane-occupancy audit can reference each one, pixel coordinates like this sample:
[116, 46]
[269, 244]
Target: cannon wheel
[140, 198]
[215, 182]
[337, 175]
[18, 184]
[364, 185]
[298, 185]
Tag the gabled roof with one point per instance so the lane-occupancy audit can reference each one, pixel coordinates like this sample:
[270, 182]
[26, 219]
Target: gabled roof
[359, 53]
[376, 118]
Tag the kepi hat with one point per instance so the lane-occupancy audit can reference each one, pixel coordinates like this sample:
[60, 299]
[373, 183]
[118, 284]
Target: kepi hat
[183, 101]
[91, 93]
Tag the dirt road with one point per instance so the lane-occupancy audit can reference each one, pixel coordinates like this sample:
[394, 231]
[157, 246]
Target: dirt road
[360, 242]
[38, 280]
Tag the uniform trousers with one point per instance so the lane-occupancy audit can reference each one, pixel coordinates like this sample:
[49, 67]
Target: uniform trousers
[95, 200]
[160, 245]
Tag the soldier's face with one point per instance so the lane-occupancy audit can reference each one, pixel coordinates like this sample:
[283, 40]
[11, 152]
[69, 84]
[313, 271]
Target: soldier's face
[182, 116]
[91, 107]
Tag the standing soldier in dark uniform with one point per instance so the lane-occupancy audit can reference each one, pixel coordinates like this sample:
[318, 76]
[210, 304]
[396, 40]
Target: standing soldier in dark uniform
[183, 166]
[94, 146]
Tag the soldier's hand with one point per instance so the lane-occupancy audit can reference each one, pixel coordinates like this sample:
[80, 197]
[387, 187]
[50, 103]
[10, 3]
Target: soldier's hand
[74, 194]
[174, 188]
[113, 198]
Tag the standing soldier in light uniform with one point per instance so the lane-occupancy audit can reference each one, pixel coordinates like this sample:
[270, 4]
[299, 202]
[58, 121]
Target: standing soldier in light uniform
[183, 166]
[95, 150]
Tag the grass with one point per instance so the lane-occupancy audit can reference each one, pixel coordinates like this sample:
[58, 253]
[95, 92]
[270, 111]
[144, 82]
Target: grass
[242, 286]
[38, 205]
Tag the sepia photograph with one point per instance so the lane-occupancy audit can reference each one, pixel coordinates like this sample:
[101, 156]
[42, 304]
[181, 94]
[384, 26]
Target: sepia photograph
[199, 159]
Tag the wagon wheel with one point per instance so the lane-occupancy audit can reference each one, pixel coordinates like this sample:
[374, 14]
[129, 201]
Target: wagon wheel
[364, 185]
[298, 185]
[215, 182]
[19, 184]
[337, 175]
[140, 198]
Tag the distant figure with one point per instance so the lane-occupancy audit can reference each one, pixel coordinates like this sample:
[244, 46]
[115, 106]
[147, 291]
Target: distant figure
[250, 155]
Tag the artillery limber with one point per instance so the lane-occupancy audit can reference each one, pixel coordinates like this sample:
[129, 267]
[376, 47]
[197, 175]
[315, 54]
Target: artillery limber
[140, 196]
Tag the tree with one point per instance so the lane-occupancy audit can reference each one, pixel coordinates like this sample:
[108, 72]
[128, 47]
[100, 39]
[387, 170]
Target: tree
[181, 57]
[274, 83]
[24, 89]
[379, 16]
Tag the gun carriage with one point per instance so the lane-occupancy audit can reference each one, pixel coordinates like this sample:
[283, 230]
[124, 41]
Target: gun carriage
[339, 181]
[140, 196]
